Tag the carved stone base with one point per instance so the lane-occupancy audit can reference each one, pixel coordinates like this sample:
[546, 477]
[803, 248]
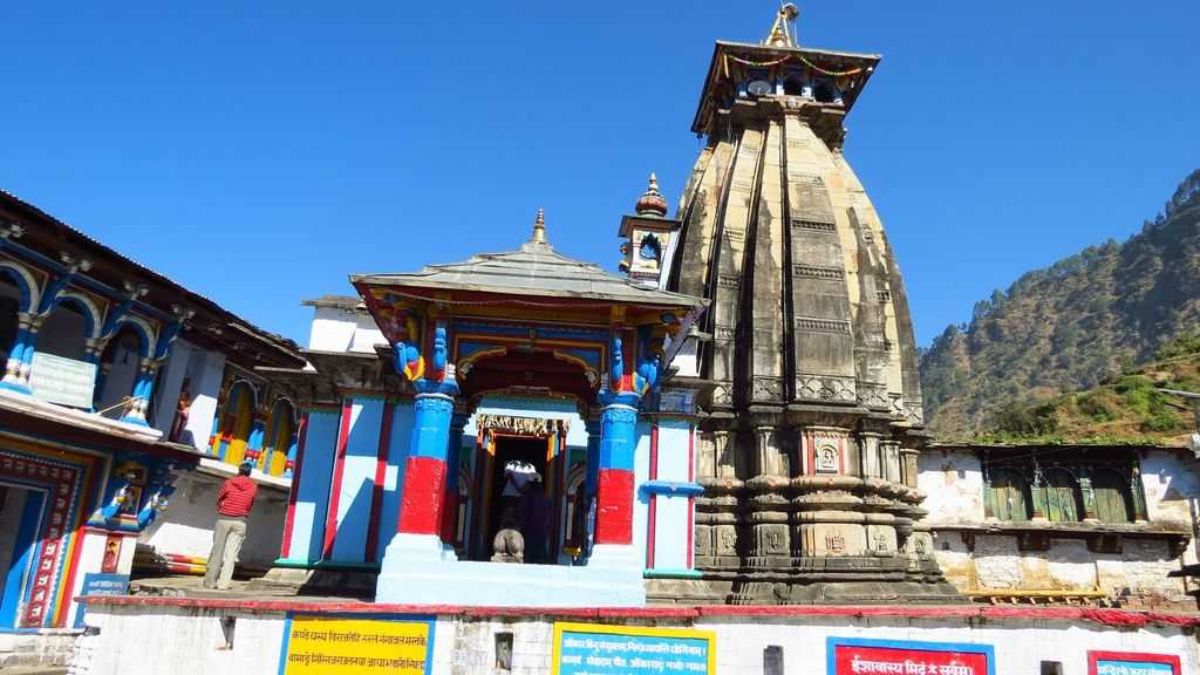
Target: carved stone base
[869, 579]
[687, 591]
[848, 593]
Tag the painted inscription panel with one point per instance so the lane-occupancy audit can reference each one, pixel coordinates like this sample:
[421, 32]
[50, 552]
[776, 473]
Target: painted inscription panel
[593, 649]
[344, 644]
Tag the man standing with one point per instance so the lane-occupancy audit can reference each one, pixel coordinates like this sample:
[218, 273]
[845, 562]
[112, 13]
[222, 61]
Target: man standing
[234, 502]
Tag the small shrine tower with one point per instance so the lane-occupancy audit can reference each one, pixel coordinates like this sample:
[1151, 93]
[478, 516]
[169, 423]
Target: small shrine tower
[647, 233]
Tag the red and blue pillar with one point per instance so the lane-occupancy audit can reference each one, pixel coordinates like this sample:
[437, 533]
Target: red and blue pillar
[614, 479]
[427, 468]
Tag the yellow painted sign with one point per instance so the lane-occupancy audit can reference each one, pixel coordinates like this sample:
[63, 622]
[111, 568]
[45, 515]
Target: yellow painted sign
[341, 645]
[596, 649]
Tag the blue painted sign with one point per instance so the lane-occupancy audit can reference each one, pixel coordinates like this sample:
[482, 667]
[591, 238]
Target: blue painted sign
[1105, 667]
[591, 649]
[1131, 663]
[99, 583]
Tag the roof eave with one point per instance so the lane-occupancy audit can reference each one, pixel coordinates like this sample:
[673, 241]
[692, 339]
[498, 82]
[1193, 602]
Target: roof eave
[654, 298]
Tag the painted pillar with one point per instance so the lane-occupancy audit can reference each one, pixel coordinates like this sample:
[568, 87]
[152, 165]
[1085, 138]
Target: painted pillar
[293, 456]
[672, 490]
[614, 484]
[254, 442]
[143, 390]
[294, 465]
[304, 526]
[425, 471]
[371, 552]
[13, 378]
[27, 354]
[398, 437]
[20, 358]
[417, 546]
[349, 514]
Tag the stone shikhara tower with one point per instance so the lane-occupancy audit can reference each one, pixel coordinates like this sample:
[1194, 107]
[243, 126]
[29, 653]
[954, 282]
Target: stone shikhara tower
[804, 364]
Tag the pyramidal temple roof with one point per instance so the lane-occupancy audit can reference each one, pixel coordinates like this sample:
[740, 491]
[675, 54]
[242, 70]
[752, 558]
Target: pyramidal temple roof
[535, 269]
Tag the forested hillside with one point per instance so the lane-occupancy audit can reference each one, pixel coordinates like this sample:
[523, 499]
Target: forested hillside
[1080, 322]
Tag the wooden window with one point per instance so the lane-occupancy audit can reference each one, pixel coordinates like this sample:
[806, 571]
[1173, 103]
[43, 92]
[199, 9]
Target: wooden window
[1008, 495]
[1114, 503]
[1064, 502]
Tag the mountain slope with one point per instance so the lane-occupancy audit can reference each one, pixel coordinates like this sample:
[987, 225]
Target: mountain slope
[1072, 325]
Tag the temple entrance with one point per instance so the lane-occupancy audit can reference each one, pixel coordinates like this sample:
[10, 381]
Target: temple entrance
[520, 491]
[20, 517]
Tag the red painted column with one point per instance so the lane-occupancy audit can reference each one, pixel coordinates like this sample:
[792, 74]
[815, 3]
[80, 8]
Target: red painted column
[425, 471]
[614, 490]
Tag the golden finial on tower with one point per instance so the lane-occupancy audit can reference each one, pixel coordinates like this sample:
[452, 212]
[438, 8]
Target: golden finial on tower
[781, 31]
[651, 203]
[539, 227]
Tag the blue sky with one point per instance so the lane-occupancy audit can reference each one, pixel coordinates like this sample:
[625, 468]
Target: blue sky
[260, 152]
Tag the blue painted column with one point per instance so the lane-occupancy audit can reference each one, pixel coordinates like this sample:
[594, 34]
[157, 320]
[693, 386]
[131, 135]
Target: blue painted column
[304, 527]
[254, 442]
[16, 371]
[143, 389]
[614, 484]
[671, 491]
[289, 468]
[425, 471]
[355, 471]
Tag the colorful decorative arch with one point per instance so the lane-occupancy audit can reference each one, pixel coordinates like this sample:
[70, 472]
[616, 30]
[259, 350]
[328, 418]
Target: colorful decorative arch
[145, 331]
[91, 313]
[31, 293]
[235, 423]
[282, 425]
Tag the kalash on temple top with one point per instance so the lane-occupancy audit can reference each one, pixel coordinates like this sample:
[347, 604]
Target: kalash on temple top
[736, 419]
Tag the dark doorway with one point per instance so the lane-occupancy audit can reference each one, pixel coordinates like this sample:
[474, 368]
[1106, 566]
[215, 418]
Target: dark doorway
[20, 521]
[534, 510]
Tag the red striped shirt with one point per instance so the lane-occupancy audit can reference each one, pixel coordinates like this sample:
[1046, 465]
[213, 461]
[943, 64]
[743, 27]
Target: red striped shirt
[236, 497]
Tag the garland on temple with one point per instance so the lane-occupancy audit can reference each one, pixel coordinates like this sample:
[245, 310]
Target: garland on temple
[789, 57]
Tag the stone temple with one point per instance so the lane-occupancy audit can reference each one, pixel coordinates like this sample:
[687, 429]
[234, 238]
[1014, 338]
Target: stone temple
[805, 366]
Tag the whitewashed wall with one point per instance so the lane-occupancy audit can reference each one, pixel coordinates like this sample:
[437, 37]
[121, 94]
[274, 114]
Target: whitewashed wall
[952, 481]
[186, 526]
[343, 330]
[1172, 490]
[140, 640]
